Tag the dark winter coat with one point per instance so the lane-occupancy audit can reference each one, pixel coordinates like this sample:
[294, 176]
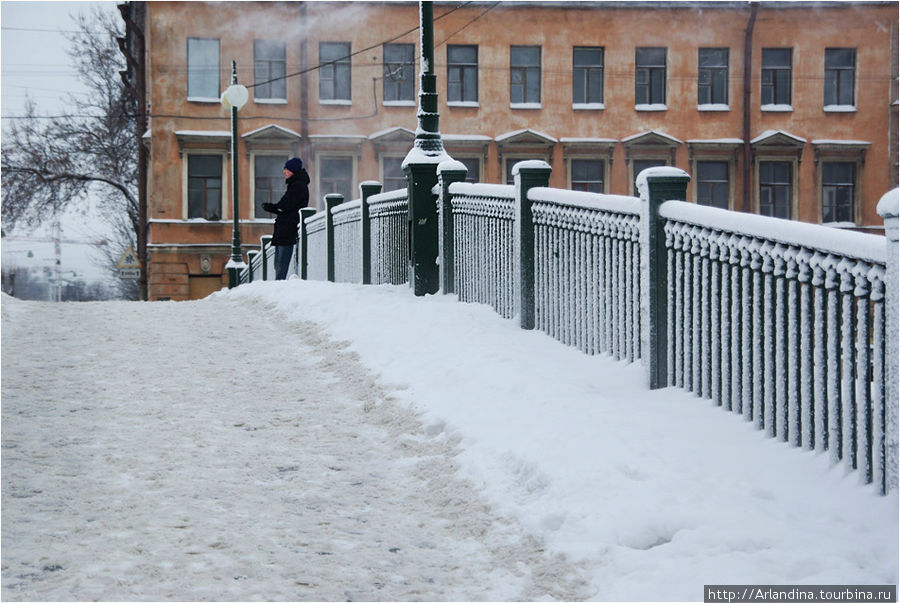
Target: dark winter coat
[287, 210]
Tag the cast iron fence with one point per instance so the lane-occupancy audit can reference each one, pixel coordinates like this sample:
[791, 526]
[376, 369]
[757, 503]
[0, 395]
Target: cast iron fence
[783, 323]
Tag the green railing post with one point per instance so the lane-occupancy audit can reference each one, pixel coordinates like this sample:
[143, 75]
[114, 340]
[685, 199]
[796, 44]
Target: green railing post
[251, 257]
[332, 200]
[302, 243]
[366, 190]
[264, 244]
[657, 185]
[448, 173]
[527, 175]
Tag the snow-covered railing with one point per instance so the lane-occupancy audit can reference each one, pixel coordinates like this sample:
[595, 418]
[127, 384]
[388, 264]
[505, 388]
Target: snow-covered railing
[260, 263]
[347, 241]
[313, 247]
[783, 323]
[389, 237]
[791, 325]
[587, 270]
[363, 240]
[485, 262]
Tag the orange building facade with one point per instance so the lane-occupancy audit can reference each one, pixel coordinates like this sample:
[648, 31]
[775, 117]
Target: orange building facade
[599, 90]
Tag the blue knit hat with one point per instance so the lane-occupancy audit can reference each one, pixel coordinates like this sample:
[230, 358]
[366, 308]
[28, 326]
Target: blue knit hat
[293, 165]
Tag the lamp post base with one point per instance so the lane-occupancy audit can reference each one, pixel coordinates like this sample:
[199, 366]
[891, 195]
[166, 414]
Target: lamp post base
[234, 268]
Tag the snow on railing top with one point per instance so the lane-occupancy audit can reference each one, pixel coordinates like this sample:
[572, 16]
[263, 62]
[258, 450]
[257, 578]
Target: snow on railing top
[889, 205]
[315, 218]
[479, 189]
[595, 201]
[814, 236]
[660, 172]
[389, 196]
[345, 206]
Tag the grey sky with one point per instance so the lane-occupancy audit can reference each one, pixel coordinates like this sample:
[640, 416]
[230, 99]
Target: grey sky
[34, 61]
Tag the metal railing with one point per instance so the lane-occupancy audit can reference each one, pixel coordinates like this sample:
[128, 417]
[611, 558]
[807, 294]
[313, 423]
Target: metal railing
[786, 324]
[783, 323]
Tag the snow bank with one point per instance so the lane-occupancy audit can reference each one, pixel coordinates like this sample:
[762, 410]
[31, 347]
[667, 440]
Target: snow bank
[656, 491]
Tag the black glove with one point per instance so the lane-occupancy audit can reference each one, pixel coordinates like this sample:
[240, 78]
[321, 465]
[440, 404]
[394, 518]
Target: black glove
[270, 207]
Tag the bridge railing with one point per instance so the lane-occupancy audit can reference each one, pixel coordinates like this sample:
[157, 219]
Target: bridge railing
[786, 324]
[359, 241]
[484, 246]
[260, 263]
[783, 323]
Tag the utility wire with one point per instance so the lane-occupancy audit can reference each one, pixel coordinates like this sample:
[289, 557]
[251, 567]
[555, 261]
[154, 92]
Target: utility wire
[353, 54]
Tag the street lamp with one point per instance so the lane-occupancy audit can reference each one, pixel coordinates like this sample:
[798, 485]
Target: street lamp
[235, 97]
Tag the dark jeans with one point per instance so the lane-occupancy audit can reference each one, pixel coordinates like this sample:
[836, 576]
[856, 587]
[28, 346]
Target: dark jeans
[283, 255]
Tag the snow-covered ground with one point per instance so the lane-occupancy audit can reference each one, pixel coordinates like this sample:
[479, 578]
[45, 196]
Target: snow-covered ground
[302, 440]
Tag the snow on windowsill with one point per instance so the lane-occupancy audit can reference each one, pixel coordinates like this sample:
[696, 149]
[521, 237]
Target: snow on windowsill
[464, 104]
[336, 101]
[651, 107]
[270, 101]
[588, 106]
[203, 99]
[399, 103]
[525, 105]
[713, 107]
[840, 108]
[777, 108]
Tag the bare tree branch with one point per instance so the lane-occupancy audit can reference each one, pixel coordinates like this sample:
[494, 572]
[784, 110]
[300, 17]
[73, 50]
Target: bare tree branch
[75, 162]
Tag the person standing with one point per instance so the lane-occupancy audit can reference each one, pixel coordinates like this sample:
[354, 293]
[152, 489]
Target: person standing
[287, 214]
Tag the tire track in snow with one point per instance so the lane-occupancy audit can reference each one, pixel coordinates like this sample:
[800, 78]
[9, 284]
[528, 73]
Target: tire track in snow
[208, 451]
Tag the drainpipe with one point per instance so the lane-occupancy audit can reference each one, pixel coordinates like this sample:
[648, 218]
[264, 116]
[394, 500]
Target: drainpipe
[748, 64]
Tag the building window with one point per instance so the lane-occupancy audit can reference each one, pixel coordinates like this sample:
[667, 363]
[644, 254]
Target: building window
[205, 187]
[399, 67]
[776, 76]
[268, 182]
[462, 74]
[336, 176]
[587, 76]
[712, 80]
[840, 76]
[587, 175]
[473, 165]
[269, 66]
[639, 165]
[524, 75]
[650, 76]
[838, 191]
[392, 174]
[775, 188]
[203, 69]
[334, 71]
[712, 183]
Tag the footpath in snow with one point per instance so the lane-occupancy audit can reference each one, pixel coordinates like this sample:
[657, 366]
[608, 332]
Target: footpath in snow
[214, 450]
[469, 460]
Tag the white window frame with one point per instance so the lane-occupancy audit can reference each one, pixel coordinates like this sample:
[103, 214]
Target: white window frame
[226, 184]
[319, 199]
[857, 189]
[590, 157]
[252, 180]
[795, 180]
[187, 84]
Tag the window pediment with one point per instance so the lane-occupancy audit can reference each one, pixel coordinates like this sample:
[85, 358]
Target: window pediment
[219, 140]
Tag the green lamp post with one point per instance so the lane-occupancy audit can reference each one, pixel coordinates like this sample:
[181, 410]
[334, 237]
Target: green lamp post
[420, 167]
[235, 97]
